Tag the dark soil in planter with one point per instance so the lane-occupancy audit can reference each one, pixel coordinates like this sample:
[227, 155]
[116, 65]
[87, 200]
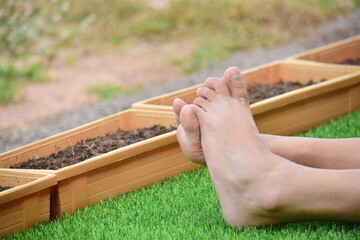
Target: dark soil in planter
[355, 61]
[258, 92]
[93, 147]
[4, 188]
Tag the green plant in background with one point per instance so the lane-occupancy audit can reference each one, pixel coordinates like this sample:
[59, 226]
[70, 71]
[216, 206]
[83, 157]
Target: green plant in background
[69, 60]
[205, 55]
[109, 91]
[7, 85]
[111, 20]
[186, 207]
[12, 78]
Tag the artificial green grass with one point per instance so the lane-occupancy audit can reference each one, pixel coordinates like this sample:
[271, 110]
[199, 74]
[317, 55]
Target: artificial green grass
[186, 207]
[344, 127]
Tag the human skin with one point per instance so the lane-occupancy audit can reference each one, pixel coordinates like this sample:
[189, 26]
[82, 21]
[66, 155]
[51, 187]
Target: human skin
[254, 185]
[311, 152]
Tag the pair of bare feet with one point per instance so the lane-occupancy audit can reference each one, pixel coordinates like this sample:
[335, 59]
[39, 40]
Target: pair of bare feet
[254, 185]
[218, 130]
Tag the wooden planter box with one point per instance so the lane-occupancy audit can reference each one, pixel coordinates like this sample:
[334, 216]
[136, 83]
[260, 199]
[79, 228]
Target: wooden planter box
[27, 202]
[113, 173]
[291, 112]
[334, 53]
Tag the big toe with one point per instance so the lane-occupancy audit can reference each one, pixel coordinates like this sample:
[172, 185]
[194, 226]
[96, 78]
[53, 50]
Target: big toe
[178, 104]
[189, 121]
[235, 83]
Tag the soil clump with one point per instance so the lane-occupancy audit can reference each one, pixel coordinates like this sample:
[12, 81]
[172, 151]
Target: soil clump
[4, 188]
[93, 147]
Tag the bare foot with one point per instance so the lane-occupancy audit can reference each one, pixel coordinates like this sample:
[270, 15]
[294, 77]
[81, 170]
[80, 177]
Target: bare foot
[188, 132]
[247, 176]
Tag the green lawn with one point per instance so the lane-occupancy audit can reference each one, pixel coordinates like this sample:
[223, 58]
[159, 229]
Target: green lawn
[187, 208]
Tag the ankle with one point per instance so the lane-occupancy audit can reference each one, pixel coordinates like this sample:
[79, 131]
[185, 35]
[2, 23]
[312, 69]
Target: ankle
[276, 194]
[273, 194]
[269, 200]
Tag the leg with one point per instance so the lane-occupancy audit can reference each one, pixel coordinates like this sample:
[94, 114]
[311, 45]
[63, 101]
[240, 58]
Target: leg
[257, 187]
[316, 152]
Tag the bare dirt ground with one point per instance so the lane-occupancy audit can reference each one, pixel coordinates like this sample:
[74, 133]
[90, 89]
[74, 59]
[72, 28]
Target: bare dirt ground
[68, 88]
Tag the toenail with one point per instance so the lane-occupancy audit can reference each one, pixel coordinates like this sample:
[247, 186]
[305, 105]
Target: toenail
[234, 74]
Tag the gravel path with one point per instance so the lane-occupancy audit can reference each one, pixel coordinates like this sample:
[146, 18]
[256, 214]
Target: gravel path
[338, 29]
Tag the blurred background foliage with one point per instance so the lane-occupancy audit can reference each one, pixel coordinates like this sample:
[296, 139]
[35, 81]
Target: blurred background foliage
[32, 32]
[216, 28]
[25, 24]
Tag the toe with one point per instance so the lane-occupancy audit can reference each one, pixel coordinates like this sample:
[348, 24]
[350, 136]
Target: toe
[188, 119]
[206, 93]
[201, 102]
[235, 83]
[178, 104]
[188, 134]
[199, 113]
[218, 85]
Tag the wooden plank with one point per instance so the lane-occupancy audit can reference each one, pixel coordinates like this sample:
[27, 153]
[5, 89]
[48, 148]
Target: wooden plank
[64, 208]
[64, 192]
[137, 167]
[31, 210]
[144, 158]
[144, 181]
[11, 229]
[354, 98]
[44, 202]
[303, 115]
[333, 53]
[78, 192]
[11, 219]
[10, 207]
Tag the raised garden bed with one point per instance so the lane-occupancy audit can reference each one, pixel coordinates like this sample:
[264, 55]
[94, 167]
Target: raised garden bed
[112, 173]
[343, 52]
[26, 201]
[291, 112]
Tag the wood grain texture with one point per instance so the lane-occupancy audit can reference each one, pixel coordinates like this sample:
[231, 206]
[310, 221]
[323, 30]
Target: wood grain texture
[305, 114]
[333, 53]
[27, 203]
